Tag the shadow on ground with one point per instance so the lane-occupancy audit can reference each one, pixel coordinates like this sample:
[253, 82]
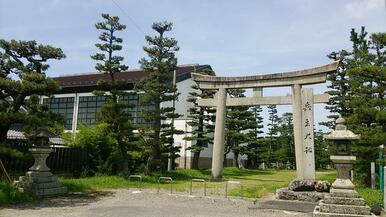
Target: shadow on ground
[69, 200]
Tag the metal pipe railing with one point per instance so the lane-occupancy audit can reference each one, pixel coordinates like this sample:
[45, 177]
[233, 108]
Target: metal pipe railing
[138, 177]
[197, 180]
[166, 179]
[233, 183]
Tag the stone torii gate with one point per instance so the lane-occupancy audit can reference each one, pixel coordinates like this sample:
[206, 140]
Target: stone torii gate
[302, 101]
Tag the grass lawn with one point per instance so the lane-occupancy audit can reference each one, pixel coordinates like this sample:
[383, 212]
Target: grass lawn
[256, 183]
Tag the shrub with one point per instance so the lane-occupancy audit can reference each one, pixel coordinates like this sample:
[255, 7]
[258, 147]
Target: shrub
[10, 195]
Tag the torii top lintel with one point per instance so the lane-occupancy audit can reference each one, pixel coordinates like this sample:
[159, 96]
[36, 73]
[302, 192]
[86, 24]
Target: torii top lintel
[303, 77]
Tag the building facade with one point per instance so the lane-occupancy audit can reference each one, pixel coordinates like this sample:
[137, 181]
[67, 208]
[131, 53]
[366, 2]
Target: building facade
[79, 107]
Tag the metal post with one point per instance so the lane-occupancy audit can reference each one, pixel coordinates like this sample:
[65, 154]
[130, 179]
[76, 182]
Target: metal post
[381, 157]
[372, 173]
[226, 189]
[384, 192]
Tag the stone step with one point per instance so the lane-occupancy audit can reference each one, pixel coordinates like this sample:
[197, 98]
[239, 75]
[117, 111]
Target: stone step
[288, 205]
[344, 200]
[317, 213]
[344, 209]
[344, 193]
[42, 185]
[38, 179]
[52, 191]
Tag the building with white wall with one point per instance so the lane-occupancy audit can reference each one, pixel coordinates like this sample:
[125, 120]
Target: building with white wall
[76, 102]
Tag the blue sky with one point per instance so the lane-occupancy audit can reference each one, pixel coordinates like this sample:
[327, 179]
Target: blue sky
[236, 37]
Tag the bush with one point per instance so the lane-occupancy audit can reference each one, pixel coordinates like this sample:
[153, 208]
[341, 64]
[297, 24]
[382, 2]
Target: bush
[10, 195]
[99, 144]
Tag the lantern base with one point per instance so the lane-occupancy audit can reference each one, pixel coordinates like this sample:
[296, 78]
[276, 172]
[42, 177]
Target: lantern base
[39, 181]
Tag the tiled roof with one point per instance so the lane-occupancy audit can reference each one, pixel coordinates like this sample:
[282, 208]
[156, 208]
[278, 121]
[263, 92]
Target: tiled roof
[131, 76]
[15, 132]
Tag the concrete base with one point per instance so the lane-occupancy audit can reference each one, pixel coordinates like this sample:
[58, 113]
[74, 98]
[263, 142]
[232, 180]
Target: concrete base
[342, 202]
[317, 213]
[40, 184]
[288, 205]
[39, 181]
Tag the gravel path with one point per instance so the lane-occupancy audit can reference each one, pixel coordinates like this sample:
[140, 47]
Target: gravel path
[123, 202]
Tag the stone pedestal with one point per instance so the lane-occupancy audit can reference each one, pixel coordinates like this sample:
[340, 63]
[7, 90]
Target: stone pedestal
[343, 199]
[39, 181]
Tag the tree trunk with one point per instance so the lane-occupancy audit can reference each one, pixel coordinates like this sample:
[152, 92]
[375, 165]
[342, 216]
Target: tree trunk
[151, 165]
[154, 159]
[3, 133]
[124, 159]
[236, 159]
[196, 159]
[225, 160]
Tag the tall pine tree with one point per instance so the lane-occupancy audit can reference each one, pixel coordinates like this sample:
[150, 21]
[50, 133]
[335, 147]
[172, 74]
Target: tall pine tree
[360, 98]
[113, 112]
[273, 121]
[255, 149]
[238, 123]
[157, 89]
[285, 152]
[202, 121]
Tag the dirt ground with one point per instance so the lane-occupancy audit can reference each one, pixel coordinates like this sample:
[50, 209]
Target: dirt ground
[148, 203]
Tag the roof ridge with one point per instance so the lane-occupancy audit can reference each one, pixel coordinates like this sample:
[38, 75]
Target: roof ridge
[129, 70]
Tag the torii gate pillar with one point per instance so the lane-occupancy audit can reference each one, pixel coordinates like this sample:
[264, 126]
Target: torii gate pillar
[219, 135]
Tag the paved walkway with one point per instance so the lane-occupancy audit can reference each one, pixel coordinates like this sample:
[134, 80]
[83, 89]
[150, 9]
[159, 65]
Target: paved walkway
[123, 202]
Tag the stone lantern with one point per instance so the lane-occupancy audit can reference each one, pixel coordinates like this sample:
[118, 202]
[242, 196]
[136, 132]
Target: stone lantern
[343, 160]
[39, 181]
[343, 200]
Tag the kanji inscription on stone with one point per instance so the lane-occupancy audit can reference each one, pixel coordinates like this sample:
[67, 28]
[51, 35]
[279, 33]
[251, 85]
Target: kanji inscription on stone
[308, 134]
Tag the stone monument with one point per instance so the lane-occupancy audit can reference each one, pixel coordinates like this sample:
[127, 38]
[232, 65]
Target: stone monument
[39, 181]
[343, 199]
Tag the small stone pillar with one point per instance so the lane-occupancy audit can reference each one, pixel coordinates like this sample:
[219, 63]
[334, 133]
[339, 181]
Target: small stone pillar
[343, 199]
[39, 181]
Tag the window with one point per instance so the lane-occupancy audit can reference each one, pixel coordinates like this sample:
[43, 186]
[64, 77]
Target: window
[89, 106]
[135, 111]
[63, 106]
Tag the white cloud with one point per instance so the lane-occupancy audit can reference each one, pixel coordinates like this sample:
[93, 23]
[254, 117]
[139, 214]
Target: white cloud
[360, 8]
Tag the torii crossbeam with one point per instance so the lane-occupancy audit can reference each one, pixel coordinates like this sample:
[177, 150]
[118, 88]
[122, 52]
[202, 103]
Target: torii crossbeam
[302, 101]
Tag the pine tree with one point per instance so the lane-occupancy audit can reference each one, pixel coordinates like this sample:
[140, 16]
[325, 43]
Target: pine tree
[285, 151]
[114, 111]
[158, 88]
[23, 66]
[239, 121]
[322, 150]
[255, 149]
[202, 120]
[273, 121]
[339, 89]
[368, 87]
[360, 98]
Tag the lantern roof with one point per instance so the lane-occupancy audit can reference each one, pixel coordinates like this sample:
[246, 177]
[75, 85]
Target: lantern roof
[341, 132]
